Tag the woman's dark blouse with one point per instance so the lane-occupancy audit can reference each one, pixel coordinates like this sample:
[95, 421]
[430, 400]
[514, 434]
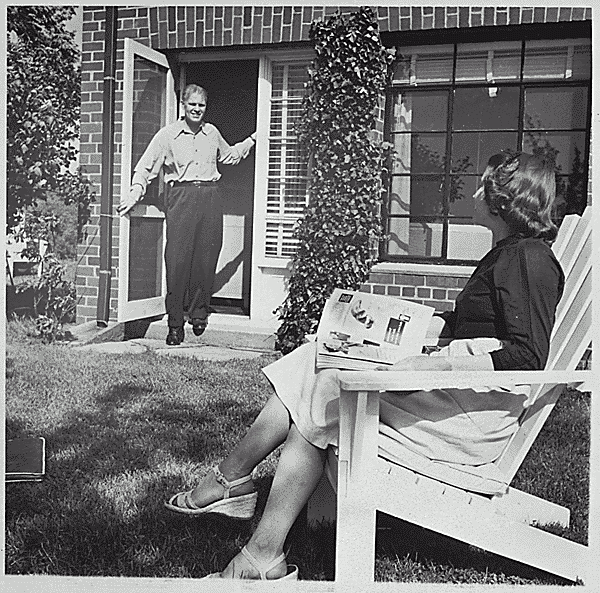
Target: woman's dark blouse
[512, 295]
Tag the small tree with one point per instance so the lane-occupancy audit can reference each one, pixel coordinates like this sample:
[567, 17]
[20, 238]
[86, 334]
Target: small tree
[43, 102]
[342, 221]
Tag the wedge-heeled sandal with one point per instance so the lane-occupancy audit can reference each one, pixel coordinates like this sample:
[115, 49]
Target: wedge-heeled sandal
[236, 507]
[263, 568]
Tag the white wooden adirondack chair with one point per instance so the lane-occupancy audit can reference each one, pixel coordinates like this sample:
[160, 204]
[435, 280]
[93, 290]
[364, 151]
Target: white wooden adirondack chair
[502, 523]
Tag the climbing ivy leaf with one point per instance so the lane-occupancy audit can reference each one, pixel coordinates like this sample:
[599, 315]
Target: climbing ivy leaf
[341, 225]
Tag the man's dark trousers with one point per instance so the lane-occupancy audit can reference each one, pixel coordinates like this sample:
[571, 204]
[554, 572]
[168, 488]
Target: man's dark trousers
[194, 237]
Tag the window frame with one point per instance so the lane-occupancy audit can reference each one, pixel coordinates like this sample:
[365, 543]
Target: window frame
[279, 227]
[395, 89]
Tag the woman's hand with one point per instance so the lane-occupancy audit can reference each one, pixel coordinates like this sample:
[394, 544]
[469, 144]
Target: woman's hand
[419, 363]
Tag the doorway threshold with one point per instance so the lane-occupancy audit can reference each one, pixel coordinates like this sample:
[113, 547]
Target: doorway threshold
[242, 323]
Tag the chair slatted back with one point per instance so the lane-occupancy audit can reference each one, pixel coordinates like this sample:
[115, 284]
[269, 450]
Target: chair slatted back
[570, 337]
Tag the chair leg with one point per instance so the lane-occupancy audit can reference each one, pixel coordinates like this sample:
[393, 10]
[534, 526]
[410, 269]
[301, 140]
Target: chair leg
[355, 543]
[355, 539]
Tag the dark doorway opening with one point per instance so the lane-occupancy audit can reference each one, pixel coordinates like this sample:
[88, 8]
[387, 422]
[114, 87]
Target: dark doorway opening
[232, 87]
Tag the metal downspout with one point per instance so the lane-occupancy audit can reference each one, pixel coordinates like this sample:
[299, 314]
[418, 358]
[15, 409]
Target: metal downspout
[106, 201]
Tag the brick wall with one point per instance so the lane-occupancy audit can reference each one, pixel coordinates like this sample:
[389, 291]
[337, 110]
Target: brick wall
[436, 291]
[169, 27]
[134, 23]
[200, 26]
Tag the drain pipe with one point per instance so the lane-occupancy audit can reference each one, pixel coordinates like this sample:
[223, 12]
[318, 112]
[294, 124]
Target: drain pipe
[106, 200]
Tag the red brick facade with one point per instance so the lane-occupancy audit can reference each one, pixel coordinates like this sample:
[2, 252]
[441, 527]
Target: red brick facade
[185, 27]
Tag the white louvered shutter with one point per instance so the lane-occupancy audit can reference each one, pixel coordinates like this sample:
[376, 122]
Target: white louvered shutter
[287, 187]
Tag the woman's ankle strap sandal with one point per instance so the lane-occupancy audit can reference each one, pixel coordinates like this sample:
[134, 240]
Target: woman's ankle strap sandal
[264, 568]
[226, 483]
[236, 507]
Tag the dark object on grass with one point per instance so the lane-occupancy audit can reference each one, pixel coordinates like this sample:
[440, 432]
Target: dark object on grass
[25, 459]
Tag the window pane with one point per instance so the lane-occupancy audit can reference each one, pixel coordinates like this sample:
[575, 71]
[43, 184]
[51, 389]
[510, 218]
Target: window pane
[556, 59]
[284, 117]
[426, 195]
[287, 93]
[287, 179]
[149, 116]
[399, 198]
[468, 241]
[414, 112]
[424, 65]
[488, 62]
[472, 150]
[398, 232]
[279, 239]
[145, 258]
[566, 148]
[421, 195]
[402, 153]
[478, 109]
[571, 194]
[582, 60]
[427, 153]
[417, 238]
[288, 80]
[462, 188]
[559, 108]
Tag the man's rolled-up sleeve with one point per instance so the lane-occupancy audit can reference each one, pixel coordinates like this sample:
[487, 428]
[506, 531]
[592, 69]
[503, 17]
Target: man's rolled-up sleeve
[232, 155]
[149, 165]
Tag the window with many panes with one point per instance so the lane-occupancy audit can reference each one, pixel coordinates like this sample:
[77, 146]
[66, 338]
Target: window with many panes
[287, 178]
[451, 107]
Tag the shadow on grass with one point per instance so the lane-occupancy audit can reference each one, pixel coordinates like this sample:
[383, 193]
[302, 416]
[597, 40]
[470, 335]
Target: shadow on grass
[421, 555]
[118, 452]
[100, 509]
[130, 434]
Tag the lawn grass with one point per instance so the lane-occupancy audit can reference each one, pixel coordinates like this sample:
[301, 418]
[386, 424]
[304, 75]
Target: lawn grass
[124, 432]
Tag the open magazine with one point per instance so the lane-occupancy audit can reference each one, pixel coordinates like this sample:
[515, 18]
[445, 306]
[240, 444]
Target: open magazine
[360, 331]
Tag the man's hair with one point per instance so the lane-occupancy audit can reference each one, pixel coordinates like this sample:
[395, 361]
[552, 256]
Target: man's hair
[521, 189]
[192, 89]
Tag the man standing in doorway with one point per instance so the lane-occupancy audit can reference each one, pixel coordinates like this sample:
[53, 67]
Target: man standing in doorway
[187, 152]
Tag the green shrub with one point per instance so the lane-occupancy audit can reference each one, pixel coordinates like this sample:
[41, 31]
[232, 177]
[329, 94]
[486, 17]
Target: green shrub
[54, 300]
[341, 225]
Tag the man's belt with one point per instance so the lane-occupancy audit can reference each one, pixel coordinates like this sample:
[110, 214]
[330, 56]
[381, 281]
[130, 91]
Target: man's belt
[193, 183]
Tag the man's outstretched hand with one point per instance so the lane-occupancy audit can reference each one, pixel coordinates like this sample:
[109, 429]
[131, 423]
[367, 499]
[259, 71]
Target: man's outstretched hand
[130, 200]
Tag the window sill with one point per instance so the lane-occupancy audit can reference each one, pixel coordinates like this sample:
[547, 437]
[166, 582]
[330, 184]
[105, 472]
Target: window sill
[277, 263]
[424, 269]
[283, 263]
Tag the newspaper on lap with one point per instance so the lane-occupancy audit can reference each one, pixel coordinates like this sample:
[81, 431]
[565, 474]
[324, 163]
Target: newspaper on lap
[359, 331]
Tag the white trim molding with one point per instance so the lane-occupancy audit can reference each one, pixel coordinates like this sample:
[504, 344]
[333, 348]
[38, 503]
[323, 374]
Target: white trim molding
[423, 269]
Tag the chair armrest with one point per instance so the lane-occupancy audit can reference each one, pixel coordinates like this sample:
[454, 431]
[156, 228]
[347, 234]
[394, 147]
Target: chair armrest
[426, 380]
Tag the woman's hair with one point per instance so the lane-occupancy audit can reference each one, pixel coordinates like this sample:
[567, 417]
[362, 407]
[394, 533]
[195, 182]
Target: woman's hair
[192, 89]
[521, 189]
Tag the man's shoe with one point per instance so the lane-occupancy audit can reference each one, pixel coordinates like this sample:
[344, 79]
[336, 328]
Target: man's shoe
[199, 325]
[175, 336]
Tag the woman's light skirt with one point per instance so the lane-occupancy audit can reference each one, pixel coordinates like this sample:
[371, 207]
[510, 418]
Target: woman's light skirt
[457, 426]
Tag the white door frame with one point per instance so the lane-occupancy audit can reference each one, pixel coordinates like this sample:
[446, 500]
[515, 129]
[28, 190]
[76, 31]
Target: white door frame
[139, 309]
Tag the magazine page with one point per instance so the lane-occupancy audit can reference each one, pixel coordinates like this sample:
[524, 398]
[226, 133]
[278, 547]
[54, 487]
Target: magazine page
[362, 331]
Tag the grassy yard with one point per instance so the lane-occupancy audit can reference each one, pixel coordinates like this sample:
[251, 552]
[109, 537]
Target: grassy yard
[126, 431]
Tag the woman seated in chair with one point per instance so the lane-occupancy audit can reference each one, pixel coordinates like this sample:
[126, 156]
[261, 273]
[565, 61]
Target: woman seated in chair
[502, 320]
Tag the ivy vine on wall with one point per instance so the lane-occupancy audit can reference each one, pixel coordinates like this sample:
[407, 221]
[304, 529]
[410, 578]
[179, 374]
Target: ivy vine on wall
[341, 223]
